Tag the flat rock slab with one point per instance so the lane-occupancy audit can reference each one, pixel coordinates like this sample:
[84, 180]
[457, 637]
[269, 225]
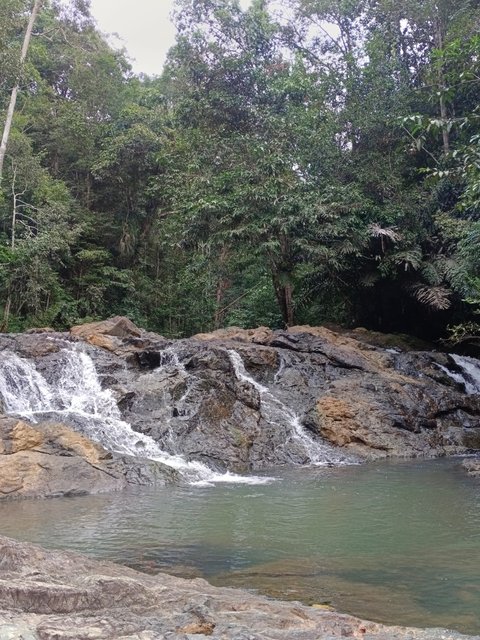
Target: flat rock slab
[65, 596]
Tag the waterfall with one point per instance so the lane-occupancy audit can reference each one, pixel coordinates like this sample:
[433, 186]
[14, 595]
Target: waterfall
[469, 375]
[277, 412]
[73, 394]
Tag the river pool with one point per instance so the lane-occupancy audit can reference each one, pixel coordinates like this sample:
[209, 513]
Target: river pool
[396, 542]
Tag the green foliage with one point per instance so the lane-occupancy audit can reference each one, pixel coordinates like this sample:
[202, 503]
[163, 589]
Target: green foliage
[319, 166]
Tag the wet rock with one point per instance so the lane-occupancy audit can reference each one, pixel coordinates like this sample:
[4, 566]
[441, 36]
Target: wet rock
[364, 399]
[51, 460]
[65, 596]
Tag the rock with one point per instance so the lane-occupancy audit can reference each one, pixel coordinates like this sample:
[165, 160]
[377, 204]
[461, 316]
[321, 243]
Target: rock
[399, 341]
[121, 336]
[65, 596]
[52, 460]
[356, 396]
[40, 330]
[260, 335]
[364, 399]
[33, 345]
[16, 435]
[472, 467]
[119, 326]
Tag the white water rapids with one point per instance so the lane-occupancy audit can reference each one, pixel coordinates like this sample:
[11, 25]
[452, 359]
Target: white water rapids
[471, 373]
[74, 395]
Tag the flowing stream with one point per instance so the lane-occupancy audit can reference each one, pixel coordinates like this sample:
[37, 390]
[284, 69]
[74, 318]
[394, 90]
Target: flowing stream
[469, 374]
[393, 542]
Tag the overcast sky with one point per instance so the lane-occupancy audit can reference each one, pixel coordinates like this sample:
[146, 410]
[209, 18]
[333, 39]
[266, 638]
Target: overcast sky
[144, 27]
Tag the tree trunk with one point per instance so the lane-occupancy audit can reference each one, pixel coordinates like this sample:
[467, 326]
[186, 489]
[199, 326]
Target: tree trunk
[284, 295]
[439, 42]
[14, 221]
[13, 96]
[6, 313]
[223, 284]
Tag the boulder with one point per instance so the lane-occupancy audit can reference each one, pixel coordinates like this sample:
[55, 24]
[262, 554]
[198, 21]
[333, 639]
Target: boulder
[48, 595]
[51, 460]
[119, 326]
[122, 337]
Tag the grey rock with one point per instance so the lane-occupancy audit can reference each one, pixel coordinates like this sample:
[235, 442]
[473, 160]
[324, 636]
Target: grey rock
[345, 389]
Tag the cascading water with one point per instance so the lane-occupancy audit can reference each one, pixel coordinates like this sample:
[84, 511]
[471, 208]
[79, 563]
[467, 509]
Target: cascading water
[471, 373]
[277, 412]
[73, 393]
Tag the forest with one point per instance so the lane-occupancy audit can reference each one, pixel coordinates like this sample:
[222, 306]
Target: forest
[297, 162]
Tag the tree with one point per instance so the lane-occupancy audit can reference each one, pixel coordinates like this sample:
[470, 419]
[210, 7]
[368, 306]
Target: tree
[13, 97]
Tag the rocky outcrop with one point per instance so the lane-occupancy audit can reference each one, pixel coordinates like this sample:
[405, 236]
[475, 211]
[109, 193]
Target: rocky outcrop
[121, 337]
[65, 596]
[369, 401]
[51, 460]
[339, 388]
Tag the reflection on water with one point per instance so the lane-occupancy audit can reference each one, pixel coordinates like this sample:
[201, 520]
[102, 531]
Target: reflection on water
[394, 542]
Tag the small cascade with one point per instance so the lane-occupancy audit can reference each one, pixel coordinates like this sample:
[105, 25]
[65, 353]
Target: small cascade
[470, 373]
[277, 412]
[169, 358]
[73, 394]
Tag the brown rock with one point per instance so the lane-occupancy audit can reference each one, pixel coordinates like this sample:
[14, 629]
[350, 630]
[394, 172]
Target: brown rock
[16, 435]
[53, 460]
[33, 474]
[118, 326]
[38, 461]
[260, 335]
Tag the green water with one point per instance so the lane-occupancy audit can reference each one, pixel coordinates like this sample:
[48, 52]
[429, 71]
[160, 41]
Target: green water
[393, 542]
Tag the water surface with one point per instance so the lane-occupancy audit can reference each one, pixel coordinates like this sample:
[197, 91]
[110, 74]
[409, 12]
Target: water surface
[393, 542]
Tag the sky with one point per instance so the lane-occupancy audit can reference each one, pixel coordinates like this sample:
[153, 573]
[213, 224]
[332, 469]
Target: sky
[143, 26]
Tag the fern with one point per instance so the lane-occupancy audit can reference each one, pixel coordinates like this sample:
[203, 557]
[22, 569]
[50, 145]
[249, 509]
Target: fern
[437, 298]
[376, 231]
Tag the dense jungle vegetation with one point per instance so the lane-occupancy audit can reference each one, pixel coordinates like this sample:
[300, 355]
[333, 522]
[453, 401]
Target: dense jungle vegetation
[302, 161]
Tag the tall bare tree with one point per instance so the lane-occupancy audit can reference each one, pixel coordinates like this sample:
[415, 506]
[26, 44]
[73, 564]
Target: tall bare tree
[13, 96]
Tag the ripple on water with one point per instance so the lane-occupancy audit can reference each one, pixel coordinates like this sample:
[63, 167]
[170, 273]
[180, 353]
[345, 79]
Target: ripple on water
[393, 542]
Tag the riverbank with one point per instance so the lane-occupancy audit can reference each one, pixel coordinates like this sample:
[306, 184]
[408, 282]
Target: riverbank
[46, 595]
